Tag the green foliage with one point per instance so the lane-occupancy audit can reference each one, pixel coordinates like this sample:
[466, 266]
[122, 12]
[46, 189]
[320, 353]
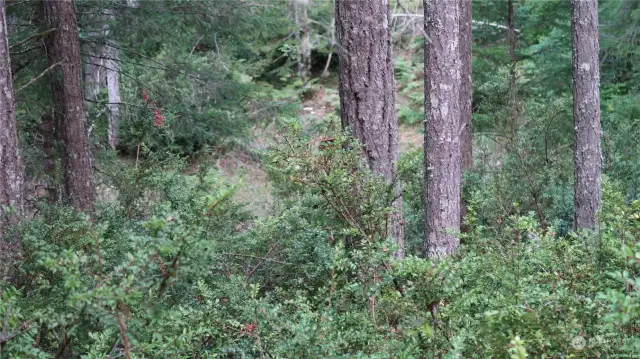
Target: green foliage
[176, 278]
[169, 266]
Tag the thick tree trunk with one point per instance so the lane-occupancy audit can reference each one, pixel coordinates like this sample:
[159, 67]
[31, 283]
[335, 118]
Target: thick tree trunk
[586, 113]
[442, 127]
[367, 92]
[11, 167]
[63, 48]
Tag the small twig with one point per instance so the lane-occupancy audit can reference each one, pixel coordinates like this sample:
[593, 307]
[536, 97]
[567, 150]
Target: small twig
[325, 72]
[4, 337]
[138, 154]
[38, 77]
[196, 45]
[406, 13]
[115, 345]
[250, 274]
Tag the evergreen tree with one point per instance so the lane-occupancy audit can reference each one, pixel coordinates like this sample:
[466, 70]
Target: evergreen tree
[11, 167]
[63, 52]
[367, 92]
[442, 71]
[586, 113]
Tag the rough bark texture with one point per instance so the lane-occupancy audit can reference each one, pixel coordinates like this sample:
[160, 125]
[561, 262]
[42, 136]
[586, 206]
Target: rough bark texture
[367, 91]
[442, 127]
[63, 47]
[586, 113]
[11, 168]
[466, 110]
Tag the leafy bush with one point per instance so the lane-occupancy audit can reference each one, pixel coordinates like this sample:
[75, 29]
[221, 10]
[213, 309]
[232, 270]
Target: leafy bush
[175, 269]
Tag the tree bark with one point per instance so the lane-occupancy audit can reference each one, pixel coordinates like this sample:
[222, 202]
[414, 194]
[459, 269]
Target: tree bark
[11, 166]
[586, 113]
[63, 47]
[442, 127]
[367, 92]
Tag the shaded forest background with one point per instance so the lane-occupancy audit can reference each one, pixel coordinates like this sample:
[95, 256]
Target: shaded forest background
[221, 221]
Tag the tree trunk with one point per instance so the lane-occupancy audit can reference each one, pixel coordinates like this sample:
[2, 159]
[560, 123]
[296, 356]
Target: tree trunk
[303, 36]
[113, 88]
[367, 92]
[63, 48]
[94, 68]
[113, 91]
[11, 167]
[586, 113]
[466, 110]
[442, 127]
[102, 69]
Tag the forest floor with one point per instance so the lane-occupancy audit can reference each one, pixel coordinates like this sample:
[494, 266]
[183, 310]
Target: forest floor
[240, 167]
